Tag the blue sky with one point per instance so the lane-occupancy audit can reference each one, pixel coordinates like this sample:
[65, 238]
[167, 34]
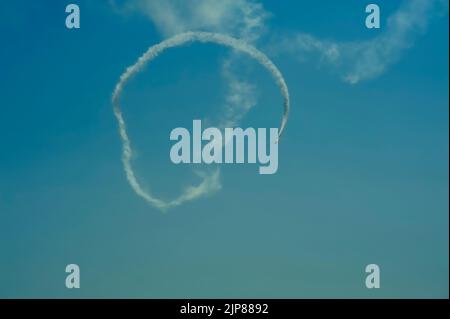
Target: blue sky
[363, 168]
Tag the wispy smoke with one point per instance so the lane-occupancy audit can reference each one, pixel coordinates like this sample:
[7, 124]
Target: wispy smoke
[210, 182]
[363, 60]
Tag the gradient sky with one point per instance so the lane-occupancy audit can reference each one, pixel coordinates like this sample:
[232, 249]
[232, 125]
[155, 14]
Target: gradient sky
[363, 169]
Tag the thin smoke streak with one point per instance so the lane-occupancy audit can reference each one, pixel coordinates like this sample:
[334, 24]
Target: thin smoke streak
[210, 182]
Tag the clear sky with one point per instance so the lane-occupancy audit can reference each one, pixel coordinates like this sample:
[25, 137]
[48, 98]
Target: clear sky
[363, 164]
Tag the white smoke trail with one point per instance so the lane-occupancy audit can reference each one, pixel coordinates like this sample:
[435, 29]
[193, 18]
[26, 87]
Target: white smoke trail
[209, 183]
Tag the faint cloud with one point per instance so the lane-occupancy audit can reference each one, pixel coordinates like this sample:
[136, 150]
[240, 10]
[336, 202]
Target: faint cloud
[243, 18]
[363, 60]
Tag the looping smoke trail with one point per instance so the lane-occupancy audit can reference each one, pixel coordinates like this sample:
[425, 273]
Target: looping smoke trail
[209, 183]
